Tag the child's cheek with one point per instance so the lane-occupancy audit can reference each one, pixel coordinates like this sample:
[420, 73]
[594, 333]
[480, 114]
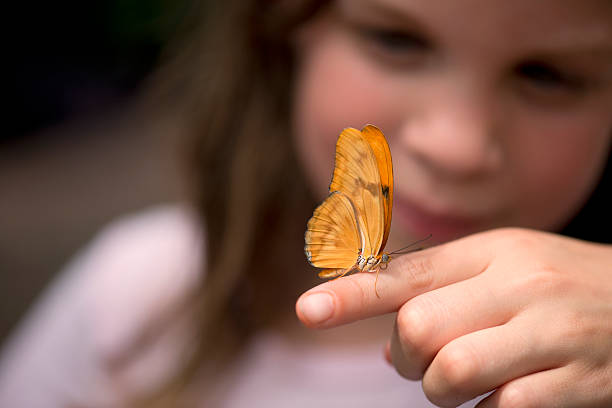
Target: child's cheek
[335, 89]
[554, 185]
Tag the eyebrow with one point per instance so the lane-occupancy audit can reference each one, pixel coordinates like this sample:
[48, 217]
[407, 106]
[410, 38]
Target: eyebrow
[381, 9]
[593, 43]
[575, 50]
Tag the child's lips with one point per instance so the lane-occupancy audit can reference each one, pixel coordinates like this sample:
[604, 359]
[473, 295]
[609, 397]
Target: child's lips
[422, 221]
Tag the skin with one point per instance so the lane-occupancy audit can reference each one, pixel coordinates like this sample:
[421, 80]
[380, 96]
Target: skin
[497, 114]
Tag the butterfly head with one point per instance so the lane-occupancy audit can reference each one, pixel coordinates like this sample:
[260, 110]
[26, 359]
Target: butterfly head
[383, 261]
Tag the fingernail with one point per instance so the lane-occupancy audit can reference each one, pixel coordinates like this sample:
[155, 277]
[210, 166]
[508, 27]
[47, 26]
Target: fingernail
[317, 308]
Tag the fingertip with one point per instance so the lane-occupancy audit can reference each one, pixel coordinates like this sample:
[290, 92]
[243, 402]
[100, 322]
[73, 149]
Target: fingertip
[315, 308]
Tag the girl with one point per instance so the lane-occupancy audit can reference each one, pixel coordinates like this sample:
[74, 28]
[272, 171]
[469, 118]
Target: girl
[497, 114]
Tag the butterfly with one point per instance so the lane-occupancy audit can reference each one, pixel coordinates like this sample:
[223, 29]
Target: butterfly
[349, 230]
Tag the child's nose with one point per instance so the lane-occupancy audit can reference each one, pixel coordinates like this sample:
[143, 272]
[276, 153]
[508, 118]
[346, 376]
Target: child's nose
[455, 136]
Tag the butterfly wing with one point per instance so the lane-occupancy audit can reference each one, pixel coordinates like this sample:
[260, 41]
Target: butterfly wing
[357, 175]
[380, 147]
[333, 236]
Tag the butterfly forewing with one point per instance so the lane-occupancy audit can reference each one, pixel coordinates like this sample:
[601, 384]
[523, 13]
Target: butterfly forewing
[357, 175]
[379, 146]
[333, 236]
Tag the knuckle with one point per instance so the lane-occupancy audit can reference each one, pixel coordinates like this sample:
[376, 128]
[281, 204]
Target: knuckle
[359, 293]
[543, 280]
[514, 396]
[457, 367]
[515, 240]
[419, 270]
[514, 236]
[573, 328]
[414, 328]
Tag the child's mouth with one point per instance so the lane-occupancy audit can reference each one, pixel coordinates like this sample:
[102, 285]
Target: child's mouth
[421, 221]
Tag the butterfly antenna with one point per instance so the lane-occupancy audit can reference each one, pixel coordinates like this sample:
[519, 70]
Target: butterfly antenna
[407, 249]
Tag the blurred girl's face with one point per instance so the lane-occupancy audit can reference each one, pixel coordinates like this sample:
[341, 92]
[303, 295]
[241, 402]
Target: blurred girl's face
[497, 112]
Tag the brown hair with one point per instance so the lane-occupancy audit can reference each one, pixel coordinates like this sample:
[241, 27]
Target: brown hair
[236, 73]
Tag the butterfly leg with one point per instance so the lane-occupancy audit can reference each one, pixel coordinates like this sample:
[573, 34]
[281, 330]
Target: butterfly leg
[375, 282]
[375, 268]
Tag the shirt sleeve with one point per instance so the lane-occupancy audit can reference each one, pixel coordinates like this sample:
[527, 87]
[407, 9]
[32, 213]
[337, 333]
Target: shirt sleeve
[110, 326]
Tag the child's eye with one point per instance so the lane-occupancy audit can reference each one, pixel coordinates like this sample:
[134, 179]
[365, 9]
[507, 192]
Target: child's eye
[547, 80]
[396, 41]
[395, 47]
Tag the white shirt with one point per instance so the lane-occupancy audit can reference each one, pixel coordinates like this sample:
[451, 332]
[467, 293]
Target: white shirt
[87, 342]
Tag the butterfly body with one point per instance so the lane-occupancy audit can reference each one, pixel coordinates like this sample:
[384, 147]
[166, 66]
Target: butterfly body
[369, 264]
[348, 231]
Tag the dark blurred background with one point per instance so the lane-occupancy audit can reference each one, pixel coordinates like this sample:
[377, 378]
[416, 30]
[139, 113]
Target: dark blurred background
[82, 141]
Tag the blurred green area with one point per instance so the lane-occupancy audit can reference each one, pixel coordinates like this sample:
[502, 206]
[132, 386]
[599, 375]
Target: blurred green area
[67, 58]
[142, 22]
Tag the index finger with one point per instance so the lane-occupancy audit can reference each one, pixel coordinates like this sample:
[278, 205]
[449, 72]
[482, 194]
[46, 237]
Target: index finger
[353, 297]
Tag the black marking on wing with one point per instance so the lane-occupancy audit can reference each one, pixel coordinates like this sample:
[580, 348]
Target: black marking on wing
[385, 191]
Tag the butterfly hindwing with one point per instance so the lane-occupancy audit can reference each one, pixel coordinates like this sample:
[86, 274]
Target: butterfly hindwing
[333, 235]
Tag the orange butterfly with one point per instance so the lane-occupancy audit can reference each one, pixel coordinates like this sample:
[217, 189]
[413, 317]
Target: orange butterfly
[349, 230]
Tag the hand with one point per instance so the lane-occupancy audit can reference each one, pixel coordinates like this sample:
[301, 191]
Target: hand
[525, 313]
